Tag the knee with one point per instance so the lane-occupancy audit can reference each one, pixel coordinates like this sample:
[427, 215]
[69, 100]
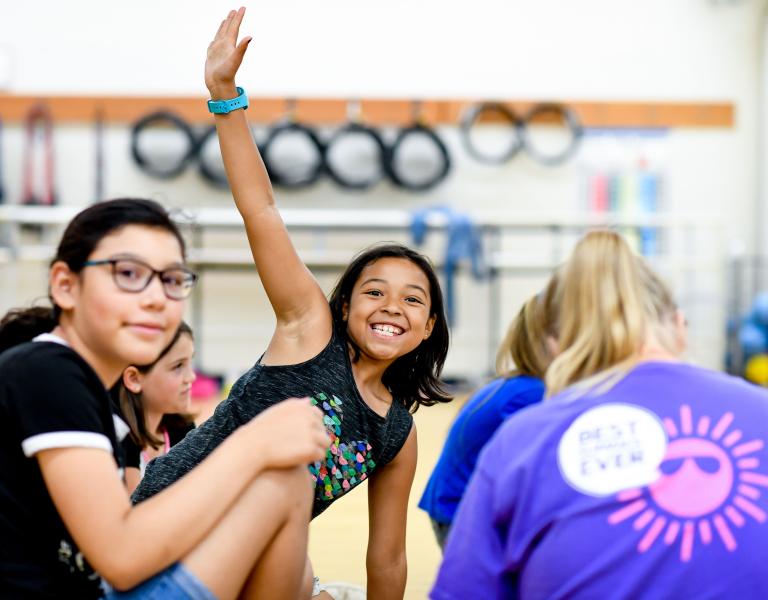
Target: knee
[301, 486]
[308, 581]
[292, 487]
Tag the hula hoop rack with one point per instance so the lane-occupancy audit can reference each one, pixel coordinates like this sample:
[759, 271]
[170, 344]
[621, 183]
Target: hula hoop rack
[323, 111]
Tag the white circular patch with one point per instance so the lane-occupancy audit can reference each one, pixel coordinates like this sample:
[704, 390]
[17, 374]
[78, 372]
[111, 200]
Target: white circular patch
[610, 448]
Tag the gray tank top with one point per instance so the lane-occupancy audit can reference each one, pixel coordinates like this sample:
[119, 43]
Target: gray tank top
[363, 441]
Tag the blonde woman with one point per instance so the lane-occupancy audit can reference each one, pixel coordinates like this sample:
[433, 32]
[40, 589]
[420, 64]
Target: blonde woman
[521, 362]
[640, 476]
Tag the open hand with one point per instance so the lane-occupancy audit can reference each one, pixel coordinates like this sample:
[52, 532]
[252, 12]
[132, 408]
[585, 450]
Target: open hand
[225, 55]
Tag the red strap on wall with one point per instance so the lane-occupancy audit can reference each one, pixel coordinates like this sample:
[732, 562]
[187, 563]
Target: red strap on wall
[39, 128]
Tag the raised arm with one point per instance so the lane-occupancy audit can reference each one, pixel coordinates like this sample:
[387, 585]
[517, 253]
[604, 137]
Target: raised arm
[300, 306]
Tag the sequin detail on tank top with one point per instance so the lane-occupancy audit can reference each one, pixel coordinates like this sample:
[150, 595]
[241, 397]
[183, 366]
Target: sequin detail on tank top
[346, 463]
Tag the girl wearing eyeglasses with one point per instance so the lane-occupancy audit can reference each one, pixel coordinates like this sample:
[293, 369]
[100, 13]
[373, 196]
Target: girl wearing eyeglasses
[521, 362]
[67, 527]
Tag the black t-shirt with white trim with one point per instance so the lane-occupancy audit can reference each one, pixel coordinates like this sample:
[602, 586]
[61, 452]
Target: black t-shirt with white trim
[49, 398]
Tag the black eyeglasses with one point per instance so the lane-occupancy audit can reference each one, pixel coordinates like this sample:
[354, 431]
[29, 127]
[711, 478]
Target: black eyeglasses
[134, 276]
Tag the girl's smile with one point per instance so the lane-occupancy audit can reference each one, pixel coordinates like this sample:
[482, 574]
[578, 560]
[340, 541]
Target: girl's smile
[147, 330]
[386, 330]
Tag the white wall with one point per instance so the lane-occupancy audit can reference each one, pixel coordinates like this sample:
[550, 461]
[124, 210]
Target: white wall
[687, 50]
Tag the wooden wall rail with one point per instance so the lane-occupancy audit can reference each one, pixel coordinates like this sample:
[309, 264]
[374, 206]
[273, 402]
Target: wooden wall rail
[126, 109]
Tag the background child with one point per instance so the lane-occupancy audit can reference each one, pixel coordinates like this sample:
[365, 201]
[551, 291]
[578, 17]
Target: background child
[154, 400]
[638, 469]
[366, 358]
[117, 285]
[521, 362]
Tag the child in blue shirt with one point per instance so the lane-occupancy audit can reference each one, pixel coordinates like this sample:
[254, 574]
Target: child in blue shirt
[521, 362]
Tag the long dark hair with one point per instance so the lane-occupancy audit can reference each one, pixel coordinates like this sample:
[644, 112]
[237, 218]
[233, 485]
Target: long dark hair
[79, 240]
[413, 379]
[132, 407]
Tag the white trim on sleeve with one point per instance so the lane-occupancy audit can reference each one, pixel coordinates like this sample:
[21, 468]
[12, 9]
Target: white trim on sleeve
[65, 439]
[50, 337]
[121, 427]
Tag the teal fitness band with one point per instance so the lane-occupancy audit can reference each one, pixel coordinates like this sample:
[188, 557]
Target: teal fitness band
[222, 107]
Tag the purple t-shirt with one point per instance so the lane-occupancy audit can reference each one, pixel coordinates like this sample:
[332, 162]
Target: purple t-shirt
[657, 488]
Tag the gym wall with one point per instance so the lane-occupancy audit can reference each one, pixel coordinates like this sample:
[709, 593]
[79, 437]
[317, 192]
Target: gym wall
[687, 50]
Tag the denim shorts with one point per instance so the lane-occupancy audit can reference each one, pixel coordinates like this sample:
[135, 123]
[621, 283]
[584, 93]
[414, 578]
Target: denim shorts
[175, 583]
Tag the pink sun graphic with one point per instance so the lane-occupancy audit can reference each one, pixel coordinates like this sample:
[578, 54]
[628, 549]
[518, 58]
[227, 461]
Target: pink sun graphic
[708, 486]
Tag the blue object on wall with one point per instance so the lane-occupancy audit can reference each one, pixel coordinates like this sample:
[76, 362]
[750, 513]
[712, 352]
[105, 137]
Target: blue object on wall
[464, 241]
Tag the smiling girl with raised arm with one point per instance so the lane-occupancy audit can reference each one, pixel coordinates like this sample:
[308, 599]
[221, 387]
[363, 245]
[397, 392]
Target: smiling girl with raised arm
[367, 357]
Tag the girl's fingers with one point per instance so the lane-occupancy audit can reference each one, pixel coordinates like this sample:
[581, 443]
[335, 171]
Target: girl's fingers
[234, 27]
[228, 22]
[221, 29]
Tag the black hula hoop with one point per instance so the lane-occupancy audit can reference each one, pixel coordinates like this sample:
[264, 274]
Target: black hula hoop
[571, 121]
[356, 129]
[178, 123]
[398, 179]
[213, 176]
[470, 119]
[281, 179]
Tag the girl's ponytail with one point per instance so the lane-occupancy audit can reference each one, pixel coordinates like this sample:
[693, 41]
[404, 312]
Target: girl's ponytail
[609, 301]
[20, 325]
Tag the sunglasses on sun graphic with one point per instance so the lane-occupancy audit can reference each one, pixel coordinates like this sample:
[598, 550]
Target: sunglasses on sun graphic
[707, 464]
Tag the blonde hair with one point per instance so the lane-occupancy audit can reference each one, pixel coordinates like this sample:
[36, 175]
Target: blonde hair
[524, 349]
[609, 301]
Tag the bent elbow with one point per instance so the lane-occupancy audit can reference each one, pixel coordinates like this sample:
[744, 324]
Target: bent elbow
[122, 573]
[387, 562]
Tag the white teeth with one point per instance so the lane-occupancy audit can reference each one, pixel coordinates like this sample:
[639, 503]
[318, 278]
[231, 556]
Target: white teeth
[387, 330]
